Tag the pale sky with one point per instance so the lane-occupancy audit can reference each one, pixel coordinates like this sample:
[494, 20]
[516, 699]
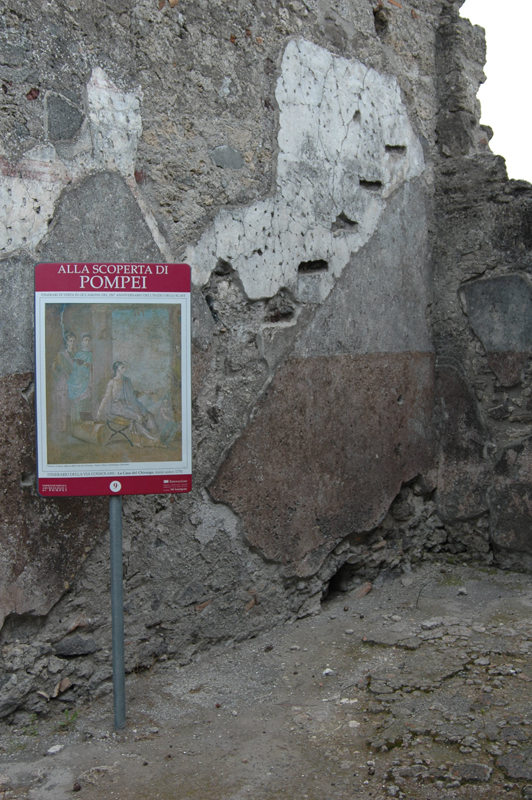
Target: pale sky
[504, 98]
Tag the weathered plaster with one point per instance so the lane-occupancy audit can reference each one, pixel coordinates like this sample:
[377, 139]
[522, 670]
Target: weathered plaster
[345, 145]
[30, 189]
[296, 178]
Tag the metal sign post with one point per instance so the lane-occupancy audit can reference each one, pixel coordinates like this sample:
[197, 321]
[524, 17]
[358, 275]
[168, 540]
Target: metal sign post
[113, 395]
[117, 612]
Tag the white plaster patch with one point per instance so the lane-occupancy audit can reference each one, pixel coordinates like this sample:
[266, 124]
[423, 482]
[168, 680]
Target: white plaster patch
[27, 197]
[115, 123]
[30, 189]
[345, 144]
[212, 519]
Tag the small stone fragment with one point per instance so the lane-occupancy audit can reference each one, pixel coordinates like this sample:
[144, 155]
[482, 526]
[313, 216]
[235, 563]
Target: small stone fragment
[471, 771]
[462, 590]
[61, 687]
[515, 766]
[56, 748]
[327, 671]
[363, 590]
[227, 158]
[429, 624]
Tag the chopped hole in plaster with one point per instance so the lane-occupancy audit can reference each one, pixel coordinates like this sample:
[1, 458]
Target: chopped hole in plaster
[343, 223]
[396, 149]
[280, 308]
[210, 302]
[27, 479]
[400, 400]
[258, 252]
[223, 267]
[309, 267]
[215, 414]
[357, 116]
[381, 20]
[372, 186]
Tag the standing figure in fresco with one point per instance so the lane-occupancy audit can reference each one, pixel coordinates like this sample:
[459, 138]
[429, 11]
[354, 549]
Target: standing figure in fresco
[168, 427]
[62, 368]
[120, 400]
[80, 380]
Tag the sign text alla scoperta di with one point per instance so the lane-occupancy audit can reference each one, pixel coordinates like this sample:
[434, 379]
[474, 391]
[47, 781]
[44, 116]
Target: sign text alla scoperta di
[113, 277]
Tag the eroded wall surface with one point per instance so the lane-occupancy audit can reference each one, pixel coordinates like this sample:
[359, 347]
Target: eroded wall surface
[318, 165]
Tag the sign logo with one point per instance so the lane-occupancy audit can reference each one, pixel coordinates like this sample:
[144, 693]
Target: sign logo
[115, 486]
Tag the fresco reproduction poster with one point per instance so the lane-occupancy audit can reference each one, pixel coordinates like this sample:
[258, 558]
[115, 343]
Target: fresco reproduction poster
[112, 344]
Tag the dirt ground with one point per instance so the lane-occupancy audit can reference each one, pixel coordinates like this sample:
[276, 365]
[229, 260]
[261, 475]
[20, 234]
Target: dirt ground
[422, 688]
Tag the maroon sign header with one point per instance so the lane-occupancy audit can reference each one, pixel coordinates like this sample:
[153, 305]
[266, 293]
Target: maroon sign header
[111, 278]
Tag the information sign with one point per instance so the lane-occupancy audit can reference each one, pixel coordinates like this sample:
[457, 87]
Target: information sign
[112, 346]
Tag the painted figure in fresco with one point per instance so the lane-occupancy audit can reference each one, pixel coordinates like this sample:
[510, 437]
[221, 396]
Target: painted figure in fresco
[120, 400]
[62, 368]
[80, 380]
[168, 427]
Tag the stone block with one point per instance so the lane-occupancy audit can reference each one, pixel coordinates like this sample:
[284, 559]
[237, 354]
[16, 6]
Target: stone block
[76, 645]
[16, 341]
[510, 499]
[63, 118]
[500, 312]
[227, 157]
[99, 219]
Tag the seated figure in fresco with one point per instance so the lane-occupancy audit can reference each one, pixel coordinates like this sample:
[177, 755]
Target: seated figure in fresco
[62, 368]
[120, 401]
[80, 380]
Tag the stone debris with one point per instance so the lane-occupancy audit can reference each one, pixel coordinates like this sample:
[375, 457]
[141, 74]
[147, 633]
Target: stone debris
[56, 748]
[472, 772]
[451, 714]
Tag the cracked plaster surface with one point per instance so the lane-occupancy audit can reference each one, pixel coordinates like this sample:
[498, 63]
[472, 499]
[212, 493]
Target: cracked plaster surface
[108, 140]
[345, 144]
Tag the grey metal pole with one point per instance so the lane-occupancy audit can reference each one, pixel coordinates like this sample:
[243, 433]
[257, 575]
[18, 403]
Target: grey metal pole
[117, 611]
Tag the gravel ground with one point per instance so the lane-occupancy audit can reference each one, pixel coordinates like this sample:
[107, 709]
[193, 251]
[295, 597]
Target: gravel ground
[419, 688]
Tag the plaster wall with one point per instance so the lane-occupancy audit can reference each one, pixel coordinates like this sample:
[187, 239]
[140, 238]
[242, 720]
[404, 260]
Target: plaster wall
[321, 167]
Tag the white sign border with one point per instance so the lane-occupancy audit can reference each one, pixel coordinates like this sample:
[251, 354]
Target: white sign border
[57, 471]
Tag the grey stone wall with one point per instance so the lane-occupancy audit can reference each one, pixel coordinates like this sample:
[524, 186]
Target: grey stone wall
[360, 311]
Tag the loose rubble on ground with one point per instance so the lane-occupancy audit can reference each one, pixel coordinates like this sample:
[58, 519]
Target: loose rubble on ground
[414, 687]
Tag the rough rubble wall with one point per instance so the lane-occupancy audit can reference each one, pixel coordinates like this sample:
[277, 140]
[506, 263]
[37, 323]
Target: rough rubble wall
[482, 313]
[305, 159]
